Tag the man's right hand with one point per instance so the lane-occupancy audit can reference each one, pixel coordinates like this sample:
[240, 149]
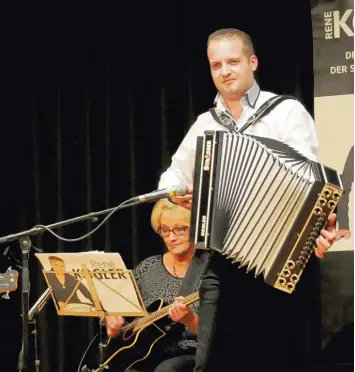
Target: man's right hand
[184, 201]
[113, 325]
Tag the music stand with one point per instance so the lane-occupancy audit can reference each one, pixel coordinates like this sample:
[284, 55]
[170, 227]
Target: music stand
[96, 293]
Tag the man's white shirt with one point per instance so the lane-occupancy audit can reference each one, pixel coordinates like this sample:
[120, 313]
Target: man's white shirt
[289, 122]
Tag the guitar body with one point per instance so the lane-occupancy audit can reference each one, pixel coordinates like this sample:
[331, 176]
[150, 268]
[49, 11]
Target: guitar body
[130, 348]
[127, 349]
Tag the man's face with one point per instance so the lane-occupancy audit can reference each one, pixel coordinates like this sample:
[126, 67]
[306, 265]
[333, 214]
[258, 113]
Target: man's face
[232, 69]
[58, 266]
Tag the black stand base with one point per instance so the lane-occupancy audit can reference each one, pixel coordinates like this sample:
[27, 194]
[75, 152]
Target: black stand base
[101, 347]
[25, 244]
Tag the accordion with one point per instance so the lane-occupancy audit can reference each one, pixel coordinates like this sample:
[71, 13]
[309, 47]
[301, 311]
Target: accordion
[261, 204]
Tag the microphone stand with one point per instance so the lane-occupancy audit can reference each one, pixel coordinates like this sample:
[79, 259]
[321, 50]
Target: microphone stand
[40, 229]
[35, 309]
[25, 243]
[35, 335]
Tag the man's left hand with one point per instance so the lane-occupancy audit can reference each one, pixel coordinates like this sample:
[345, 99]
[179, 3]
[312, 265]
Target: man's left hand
[328, 236]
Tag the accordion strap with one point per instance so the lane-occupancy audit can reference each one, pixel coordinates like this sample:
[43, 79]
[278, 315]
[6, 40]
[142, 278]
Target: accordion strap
[228, 122]
[194, 272]
[222, 118]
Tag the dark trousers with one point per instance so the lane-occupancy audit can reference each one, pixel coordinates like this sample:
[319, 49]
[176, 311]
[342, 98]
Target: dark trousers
[246, 325]
[181, 363]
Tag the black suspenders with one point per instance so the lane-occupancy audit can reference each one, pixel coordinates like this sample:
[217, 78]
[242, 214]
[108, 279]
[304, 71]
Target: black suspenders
[228, 122]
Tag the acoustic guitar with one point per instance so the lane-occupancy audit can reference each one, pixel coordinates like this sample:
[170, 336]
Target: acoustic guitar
[135, 341]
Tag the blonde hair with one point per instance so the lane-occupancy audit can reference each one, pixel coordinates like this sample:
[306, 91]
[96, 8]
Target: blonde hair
[163, 206]
[233, 33]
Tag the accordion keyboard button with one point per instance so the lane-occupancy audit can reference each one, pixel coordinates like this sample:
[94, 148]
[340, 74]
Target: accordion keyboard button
[312, 241]
[327, 193]
[336, 195]
[294, 278]
[314, 234]
[286, 273]
[290, 264]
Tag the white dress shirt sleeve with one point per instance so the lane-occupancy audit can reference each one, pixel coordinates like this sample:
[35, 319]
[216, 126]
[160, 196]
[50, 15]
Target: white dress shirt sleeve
[299, 130]
[182, 165]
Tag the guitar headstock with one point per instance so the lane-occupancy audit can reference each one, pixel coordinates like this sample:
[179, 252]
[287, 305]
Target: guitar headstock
[8, 281]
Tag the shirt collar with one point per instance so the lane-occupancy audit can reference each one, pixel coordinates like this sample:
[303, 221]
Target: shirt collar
[250, 98]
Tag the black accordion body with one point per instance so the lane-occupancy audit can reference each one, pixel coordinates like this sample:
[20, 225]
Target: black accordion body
[260, 203]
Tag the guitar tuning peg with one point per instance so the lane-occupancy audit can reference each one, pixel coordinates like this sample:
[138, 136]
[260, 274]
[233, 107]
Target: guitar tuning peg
[6, 296]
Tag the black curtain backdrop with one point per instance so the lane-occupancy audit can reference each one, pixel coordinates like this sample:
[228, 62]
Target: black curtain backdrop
[96, 96]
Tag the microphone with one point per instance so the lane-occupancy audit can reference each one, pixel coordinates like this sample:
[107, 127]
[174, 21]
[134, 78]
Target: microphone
[37, 307]
[6, 250]
[161, 194]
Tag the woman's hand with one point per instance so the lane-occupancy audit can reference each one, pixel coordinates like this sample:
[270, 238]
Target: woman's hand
[113, 325]
[179, 312]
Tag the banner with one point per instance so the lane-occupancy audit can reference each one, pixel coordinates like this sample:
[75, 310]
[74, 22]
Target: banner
[333, 56]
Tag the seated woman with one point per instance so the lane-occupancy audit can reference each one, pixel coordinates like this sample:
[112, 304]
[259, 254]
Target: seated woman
[161, 276]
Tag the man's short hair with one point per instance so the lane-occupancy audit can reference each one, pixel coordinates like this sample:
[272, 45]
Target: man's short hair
[233, 33]
[55, 258]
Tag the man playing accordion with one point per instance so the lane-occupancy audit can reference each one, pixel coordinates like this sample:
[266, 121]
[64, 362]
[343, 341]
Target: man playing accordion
[245, 325]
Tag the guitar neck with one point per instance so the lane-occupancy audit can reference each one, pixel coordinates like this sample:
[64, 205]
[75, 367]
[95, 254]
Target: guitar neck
[161, 313]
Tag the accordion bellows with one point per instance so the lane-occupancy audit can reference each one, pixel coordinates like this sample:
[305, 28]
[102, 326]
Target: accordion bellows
[261, 204]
